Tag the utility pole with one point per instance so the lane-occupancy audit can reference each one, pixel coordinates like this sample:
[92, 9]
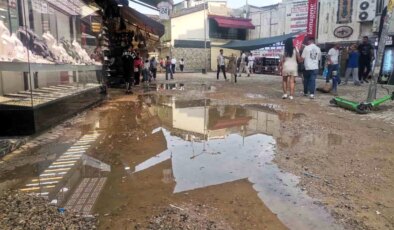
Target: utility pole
[205, 39]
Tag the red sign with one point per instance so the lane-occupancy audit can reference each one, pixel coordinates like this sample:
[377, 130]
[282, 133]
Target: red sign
[299, 40]
[312, 17]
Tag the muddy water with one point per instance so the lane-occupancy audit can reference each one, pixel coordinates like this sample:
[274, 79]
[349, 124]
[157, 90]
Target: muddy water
[165, 151]
[173, 151]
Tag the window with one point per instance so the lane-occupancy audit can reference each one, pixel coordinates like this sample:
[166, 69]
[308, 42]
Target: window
[379, 7]
[225, 33]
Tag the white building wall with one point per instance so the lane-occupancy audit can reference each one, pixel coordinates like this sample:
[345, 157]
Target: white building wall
[189, 27]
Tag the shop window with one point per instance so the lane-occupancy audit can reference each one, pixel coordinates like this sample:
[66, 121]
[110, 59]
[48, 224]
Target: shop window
[9, 14]
[225, 33]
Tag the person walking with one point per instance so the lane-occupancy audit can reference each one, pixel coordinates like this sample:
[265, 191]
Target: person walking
[311, 57]
[162, 64]
[181, 64]
[221, 65]
[137, 69]
[168, 65]
[173, 64]
[352, 65]
[289, 68]
[146, 72]
[250, 64]
[232, 68]
[242, 63]
[332, 61]
[153, 67]
[128, 57]
[367, 56]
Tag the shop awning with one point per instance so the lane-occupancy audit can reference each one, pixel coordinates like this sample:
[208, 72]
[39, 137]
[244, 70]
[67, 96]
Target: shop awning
[257, 43]
[144, 22]
[230, 22]
[228, 123]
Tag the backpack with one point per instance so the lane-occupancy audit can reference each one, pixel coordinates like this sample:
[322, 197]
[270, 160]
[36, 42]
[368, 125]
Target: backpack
[246, 59]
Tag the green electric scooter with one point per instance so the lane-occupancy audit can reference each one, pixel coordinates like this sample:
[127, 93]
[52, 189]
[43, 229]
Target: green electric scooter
[372, 102]
[363, 107]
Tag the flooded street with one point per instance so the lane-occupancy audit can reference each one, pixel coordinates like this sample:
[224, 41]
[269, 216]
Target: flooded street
[180, 156]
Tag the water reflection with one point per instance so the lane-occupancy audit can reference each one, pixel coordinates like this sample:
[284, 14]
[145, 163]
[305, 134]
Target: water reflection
[210, 144]
[72, 180]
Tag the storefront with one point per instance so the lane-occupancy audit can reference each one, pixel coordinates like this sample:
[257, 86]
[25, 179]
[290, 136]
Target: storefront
[46, 73]
[55, 57]
[130, 29]
[387, 69]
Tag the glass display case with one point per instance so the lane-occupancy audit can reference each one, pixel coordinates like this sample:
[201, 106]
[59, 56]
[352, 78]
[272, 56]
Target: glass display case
[50, 62]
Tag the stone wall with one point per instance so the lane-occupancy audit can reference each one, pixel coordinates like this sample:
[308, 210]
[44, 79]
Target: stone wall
[193, 57]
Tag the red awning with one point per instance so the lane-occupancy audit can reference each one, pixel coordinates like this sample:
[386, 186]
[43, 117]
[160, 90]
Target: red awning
[229, 22]
[228, 123]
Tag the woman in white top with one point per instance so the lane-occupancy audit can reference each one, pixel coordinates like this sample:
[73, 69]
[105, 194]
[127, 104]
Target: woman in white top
[289, 68]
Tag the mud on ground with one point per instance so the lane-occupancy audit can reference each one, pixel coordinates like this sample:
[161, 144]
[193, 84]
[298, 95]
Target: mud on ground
[344, 161]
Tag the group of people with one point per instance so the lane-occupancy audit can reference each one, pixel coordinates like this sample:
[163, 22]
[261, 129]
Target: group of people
[292, 57]
[134, 66]
[236, 65]
[358, 64]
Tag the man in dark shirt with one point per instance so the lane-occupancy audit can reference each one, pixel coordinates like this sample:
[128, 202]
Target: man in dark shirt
[128, 57]
[367, 56]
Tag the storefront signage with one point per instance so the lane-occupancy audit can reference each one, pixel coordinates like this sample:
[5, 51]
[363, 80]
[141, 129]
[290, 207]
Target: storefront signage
[299, 16]
[343, 32]
[312, 17]
[345, 9]
[164, 10]
[274, 51]
[389, 41]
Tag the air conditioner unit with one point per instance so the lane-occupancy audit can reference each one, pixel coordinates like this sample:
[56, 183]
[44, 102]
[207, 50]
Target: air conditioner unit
[366, 10]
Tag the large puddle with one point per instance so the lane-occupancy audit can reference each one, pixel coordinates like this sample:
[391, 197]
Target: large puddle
[157, 149]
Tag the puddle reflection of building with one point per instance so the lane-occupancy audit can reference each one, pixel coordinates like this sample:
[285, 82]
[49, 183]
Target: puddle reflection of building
[205, 120]
[237, 143]
[60, 181]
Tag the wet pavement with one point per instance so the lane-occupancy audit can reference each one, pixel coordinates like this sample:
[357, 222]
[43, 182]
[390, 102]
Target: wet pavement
[181, 146]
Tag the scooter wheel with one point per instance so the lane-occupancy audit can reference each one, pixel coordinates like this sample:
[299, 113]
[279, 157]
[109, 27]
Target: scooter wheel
[363, 109]
[333, 101]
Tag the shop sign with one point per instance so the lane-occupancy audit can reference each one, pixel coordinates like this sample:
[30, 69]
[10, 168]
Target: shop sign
[389, 41]
[312, 17]
[270, 52]
[345, 9]
[343, 32]
[164, 10]
[299, 16]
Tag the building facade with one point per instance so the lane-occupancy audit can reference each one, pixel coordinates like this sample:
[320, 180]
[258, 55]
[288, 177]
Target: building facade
[342, 21]
[283, 18]
[193, 22]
